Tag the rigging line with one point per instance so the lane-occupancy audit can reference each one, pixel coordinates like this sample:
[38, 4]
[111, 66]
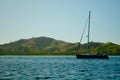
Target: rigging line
[83, 33]
[84, 30]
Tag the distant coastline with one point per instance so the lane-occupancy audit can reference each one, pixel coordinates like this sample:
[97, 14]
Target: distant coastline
[50, 46]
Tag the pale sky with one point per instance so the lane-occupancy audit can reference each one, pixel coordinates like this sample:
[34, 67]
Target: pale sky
[59, 19]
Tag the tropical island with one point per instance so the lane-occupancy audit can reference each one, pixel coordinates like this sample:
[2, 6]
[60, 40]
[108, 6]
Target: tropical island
[50, 46]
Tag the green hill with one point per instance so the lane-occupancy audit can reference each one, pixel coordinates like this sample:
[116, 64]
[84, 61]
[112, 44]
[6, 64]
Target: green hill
[40, 45]
[50, 46]
[109, 48]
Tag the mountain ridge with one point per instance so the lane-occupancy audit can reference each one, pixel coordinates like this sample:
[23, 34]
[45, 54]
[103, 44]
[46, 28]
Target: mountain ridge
[50, 46]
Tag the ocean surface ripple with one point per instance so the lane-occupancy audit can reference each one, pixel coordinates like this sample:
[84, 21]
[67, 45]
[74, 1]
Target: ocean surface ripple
[58, 68]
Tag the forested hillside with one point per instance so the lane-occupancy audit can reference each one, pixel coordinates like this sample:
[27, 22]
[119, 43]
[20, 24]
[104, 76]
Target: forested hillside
[50, 46]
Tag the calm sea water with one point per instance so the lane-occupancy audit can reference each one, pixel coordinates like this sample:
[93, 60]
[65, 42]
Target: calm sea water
[58, 68]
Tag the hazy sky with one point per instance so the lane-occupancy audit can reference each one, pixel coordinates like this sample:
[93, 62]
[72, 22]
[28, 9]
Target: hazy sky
[59, 19]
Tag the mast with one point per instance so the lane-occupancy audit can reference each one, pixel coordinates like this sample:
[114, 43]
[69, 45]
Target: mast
[88, 47]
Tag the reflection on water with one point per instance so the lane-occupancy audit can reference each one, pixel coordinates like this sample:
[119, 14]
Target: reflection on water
[58, 68]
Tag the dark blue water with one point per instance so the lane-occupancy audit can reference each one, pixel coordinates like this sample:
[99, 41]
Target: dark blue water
[58, 68]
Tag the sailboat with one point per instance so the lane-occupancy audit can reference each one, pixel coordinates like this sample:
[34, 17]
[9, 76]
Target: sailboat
[88, 55]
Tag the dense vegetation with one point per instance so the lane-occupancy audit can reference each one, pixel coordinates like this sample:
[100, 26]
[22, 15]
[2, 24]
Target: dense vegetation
[50, 46]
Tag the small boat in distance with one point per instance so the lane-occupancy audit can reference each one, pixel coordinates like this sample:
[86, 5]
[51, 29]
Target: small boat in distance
[88, 55]
[92, 56]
